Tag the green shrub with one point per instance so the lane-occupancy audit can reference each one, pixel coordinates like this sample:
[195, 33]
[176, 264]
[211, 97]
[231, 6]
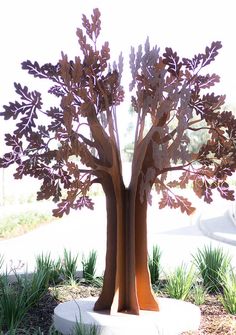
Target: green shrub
[198, 294]
[228, 298]
[69, 265]
[83, 329]
[13, 306]
[211, 263]
[154, 264]
[16, 298]
[89, 266]
[53, 268]
[35, 286]
[179, 282]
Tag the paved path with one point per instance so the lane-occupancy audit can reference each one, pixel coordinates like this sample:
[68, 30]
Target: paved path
[178, 235]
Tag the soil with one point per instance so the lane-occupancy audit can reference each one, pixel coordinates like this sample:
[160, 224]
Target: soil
[215, 320]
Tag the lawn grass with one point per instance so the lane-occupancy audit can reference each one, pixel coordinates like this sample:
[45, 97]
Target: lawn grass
[16, 224]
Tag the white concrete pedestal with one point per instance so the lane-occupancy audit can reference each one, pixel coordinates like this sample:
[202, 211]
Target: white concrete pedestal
[175, 317]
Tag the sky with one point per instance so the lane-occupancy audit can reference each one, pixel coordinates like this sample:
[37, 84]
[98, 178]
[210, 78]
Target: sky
[41, 29]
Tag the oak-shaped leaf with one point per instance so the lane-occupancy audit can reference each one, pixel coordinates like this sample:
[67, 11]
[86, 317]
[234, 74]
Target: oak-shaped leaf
[184, 204]
[207, 191]
[43, 131]
[173, 183]
[62, 208]
[20, 171]
[225, 193]
[65, 178]
[93, 28]
[66, 68]
[8, 159]
[73, 169]
[167, 200]
[16, 151]
[210, 53]
[34, 69]
[83, 201]
[26, 123]
[57, 116]
[176, 201]
[172, 60]
[208, 80]
[226, 119]
[47, 71]
[105, 56]
[182, 182]
[30, 99]
[223, 172]
[14, 142]
[192, 64]
[57, 91]
[13, 110]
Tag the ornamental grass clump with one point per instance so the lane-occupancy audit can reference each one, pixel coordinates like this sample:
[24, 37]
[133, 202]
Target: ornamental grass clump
[212, 263]
[154, 264]
[83, 329]
[13, 305]
[69, 265]
[16, 298]
[228, 298]
[179, 282]
[89, 266]
[53, 268]
[198, 294]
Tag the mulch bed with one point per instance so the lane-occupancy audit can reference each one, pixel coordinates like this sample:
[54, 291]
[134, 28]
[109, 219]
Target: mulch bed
[215, 320]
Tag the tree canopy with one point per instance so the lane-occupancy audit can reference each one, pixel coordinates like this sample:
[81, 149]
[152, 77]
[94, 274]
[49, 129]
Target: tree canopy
[73, 145]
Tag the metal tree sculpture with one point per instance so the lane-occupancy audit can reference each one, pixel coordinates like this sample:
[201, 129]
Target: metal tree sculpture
[168, 94]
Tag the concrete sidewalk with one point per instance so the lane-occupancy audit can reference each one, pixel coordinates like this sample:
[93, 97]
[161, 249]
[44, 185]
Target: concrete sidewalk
[178, 235]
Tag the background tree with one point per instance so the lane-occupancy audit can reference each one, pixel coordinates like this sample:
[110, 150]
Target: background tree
[167, 92]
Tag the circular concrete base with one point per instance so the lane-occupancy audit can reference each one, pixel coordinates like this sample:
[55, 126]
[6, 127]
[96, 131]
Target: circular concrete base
[175, 317]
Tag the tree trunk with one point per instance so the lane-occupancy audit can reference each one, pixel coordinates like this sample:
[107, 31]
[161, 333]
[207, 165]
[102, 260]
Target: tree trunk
[127, 286]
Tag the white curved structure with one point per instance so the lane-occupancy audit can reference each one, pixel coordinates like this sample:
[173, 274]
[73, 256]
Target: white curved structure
[175, 317]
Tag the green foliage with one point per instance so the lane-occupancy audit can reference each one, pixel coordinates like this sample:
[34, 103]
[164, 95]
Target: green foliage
[35, 286]
[16, 224]
[13, 306]
[154, 264]
[16, 298]
[179, 282]
[228, 298]
[211, 263]
[198, 294]
[83, 329]
[53, 268]
[69, 265]
[89, 266]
